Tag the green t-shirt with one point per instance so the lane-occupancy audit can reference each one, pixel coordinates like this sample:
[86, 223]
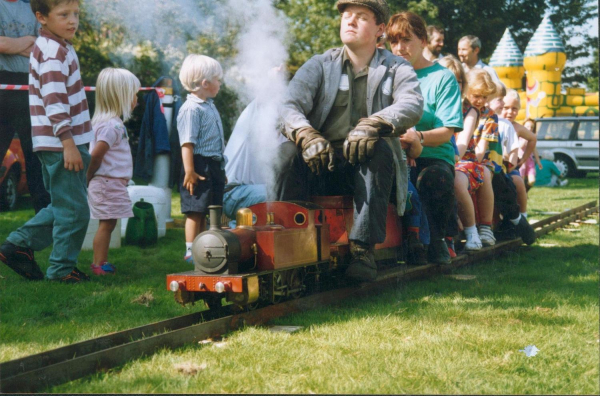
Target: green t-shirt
[543, 176]
[442, 108]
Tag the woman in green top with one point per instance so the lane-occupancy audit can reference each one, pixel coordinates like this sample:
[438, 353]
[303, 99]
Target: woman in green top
[442, 117]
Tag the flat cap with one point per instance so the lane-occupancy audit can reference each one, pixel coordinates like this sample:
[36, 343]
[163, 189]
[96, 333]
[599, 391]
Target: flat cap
[379, 7]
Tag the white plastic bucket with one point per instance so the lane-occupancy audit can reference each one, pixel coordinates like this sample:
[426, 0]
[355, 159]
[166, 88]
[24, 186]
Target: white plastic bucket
[115, 237]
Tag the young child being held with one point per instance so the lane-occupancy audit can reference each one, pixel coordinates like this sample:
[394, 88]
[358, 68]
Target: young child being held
[111, 166]
[60, 131]
[202, 144]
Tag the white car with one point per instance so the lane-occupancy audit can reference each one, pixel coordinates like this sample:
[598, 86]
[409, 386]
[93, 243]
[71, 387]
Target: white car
[573, 140]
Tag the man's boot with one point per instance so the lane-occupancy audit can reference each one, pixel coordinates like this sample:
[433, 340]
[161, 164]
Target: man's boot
[362, 265]
[415, 254]
[525, 231]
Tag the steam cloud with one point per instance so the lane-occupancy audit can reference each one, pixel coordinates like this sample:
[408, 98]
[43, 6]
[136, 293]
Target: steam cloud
[261, 31]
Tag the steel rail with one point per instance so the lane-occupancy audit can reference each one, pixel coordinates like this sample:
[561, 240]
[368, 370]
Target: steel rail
[40, 371]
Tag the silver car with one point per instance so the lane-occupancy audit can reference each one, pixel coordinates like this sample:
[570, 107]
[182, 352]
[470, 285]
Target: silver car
[573, 140]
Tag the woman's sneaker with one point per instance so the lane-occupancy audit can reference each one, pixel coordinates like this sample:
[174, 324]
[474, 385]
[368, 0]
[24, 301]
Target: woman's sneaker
[20, 260]
[189, 259]
[450, 243]
[473, 242]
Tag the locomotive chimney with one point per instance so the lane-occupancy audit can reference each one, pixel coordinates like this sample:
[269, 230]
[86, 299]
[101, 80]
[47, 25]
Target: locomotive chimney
[215, 217]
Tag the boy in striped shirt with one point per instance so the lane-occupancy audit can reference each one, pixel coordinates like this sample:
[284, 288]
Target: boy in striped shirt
[61, 129]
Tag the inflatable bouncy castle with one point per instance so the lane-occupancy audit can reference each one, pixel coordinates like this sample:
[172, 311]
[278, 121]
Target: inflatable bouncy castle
[542, 64]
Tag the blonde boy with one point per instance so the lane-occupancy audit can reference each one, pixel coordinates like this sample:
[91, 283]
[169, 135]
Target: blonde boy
[61, 129]
[202, 144]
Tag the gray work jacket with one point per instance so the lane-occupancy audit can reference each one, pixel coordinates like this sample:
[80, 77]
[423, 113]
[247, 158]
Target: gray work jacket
[393, 94]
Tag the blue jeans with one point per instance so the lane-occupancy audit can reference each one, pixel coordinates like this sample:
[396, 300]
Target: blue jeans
[62, 223]
[242, 196]
[415, 215]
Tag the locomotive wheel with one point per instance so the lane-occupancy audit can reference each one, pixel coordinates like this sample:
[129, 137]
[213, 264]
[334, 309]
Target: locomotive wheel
[213, 303]
[278, 283]
[296, 281]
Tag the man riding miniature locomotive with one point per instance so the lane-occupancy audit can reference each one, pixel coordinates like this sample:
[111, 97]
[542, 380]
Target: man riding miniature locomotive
[344, 111]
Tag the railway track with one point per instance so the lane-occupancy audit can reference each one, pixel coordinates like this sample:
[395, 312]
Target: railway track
[40, 371]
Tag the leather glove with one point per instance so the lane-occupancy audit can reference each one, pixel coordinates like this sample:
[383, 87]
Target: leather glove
[316, 150]
[359, 146]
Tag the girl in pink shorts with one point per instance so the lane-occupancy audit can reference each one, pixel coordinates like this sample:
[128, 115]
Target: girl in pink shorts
[111, 166]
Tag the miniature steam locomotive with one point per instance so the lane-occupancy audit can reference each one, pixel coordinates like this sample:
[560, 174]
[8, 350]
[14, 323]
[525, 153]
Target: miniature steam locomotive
[278, 250]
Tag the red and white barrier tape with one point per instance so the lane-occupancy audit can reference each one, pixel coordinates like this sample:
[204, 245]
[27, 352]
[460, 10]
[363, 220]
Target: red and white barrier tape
[10, 87]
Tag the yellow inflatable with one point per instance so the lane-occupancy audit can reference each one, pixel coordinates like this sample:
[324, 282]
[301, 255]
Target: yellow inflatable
[543, 63]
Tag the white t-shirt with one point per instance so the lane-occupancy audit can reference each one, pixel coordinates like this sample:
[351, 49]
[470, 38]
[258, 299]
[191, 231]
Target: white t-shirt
[508, 136]
[117, 161]
[253, 145]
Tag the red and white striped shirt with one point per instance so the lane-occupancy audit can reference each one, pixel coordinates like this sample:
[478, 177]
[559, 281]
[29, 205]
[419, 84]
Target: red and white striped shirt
[57, 102]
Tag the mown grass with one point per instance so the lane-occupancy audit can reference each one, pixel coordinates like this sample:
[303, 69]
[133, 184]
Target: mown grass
[440, 335]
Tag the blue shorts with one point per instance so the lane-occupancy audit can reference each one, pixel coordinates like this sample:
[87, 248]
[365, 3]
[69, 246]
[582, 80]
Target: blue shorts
[514, 172]
[208, 191]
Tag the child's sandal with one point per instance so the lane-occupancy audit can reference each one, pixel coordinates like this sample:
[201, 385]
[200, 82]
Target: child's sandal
[104, 269]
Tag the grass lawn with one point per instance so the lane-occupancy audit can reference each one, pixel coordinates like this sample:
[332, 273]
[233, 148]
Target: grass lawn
[441, 335]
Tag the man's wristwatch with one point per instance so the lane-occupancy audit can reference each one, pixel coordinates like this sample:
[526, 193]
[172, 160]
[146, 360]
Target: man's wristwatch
[421, 133]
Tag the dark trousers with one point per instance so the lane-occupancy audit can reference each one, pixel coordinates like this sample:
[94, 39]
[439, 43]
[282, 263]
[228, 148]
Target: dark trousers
[369, 183]
[505, 196]
[14, 118]
[435, 184]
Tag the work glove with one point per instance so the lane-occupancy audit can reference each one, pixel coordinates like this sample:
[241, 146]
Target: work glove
[316, 150]
[359, 146]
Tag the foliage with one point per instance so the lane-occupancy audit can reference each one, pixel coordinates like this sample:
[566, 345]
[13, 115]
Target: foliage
[592, 76]
[103, 40]
[314, 28]
[315, 25]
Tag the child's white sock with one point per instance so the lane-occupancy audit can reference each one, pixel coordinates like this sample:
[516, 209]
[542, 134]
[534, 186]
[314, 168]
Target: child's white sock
[188, 248]
[516, 221]
[471, 230]
[524, 214]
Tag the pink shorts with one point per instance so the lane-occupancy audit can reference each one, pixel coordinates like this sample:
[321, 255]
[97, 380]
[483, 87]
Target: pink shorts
[108, 198]
[528, 169]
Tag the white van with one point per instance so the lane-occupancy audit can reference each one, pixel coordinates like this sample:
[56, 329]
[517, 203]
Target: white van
[573, 140]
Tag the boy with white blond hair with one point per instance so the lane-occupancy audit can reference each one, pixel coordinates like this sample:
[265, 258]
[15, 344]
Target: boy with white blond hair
[202, 144]
[511, 105]
[60, 131]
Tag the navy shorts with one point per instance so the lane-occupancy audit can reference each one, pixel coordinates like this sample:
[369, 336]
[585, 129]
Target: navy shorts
[207, 192]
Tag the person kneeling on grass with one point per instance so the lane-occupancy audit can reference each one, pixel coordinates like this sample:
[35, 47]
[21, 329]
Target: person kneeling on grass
[111, 166]
[549, 174]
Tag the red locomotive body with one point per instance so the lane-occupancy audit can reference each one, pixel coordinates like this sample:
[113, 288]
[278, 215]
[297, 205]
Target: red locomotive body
[276, 251]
